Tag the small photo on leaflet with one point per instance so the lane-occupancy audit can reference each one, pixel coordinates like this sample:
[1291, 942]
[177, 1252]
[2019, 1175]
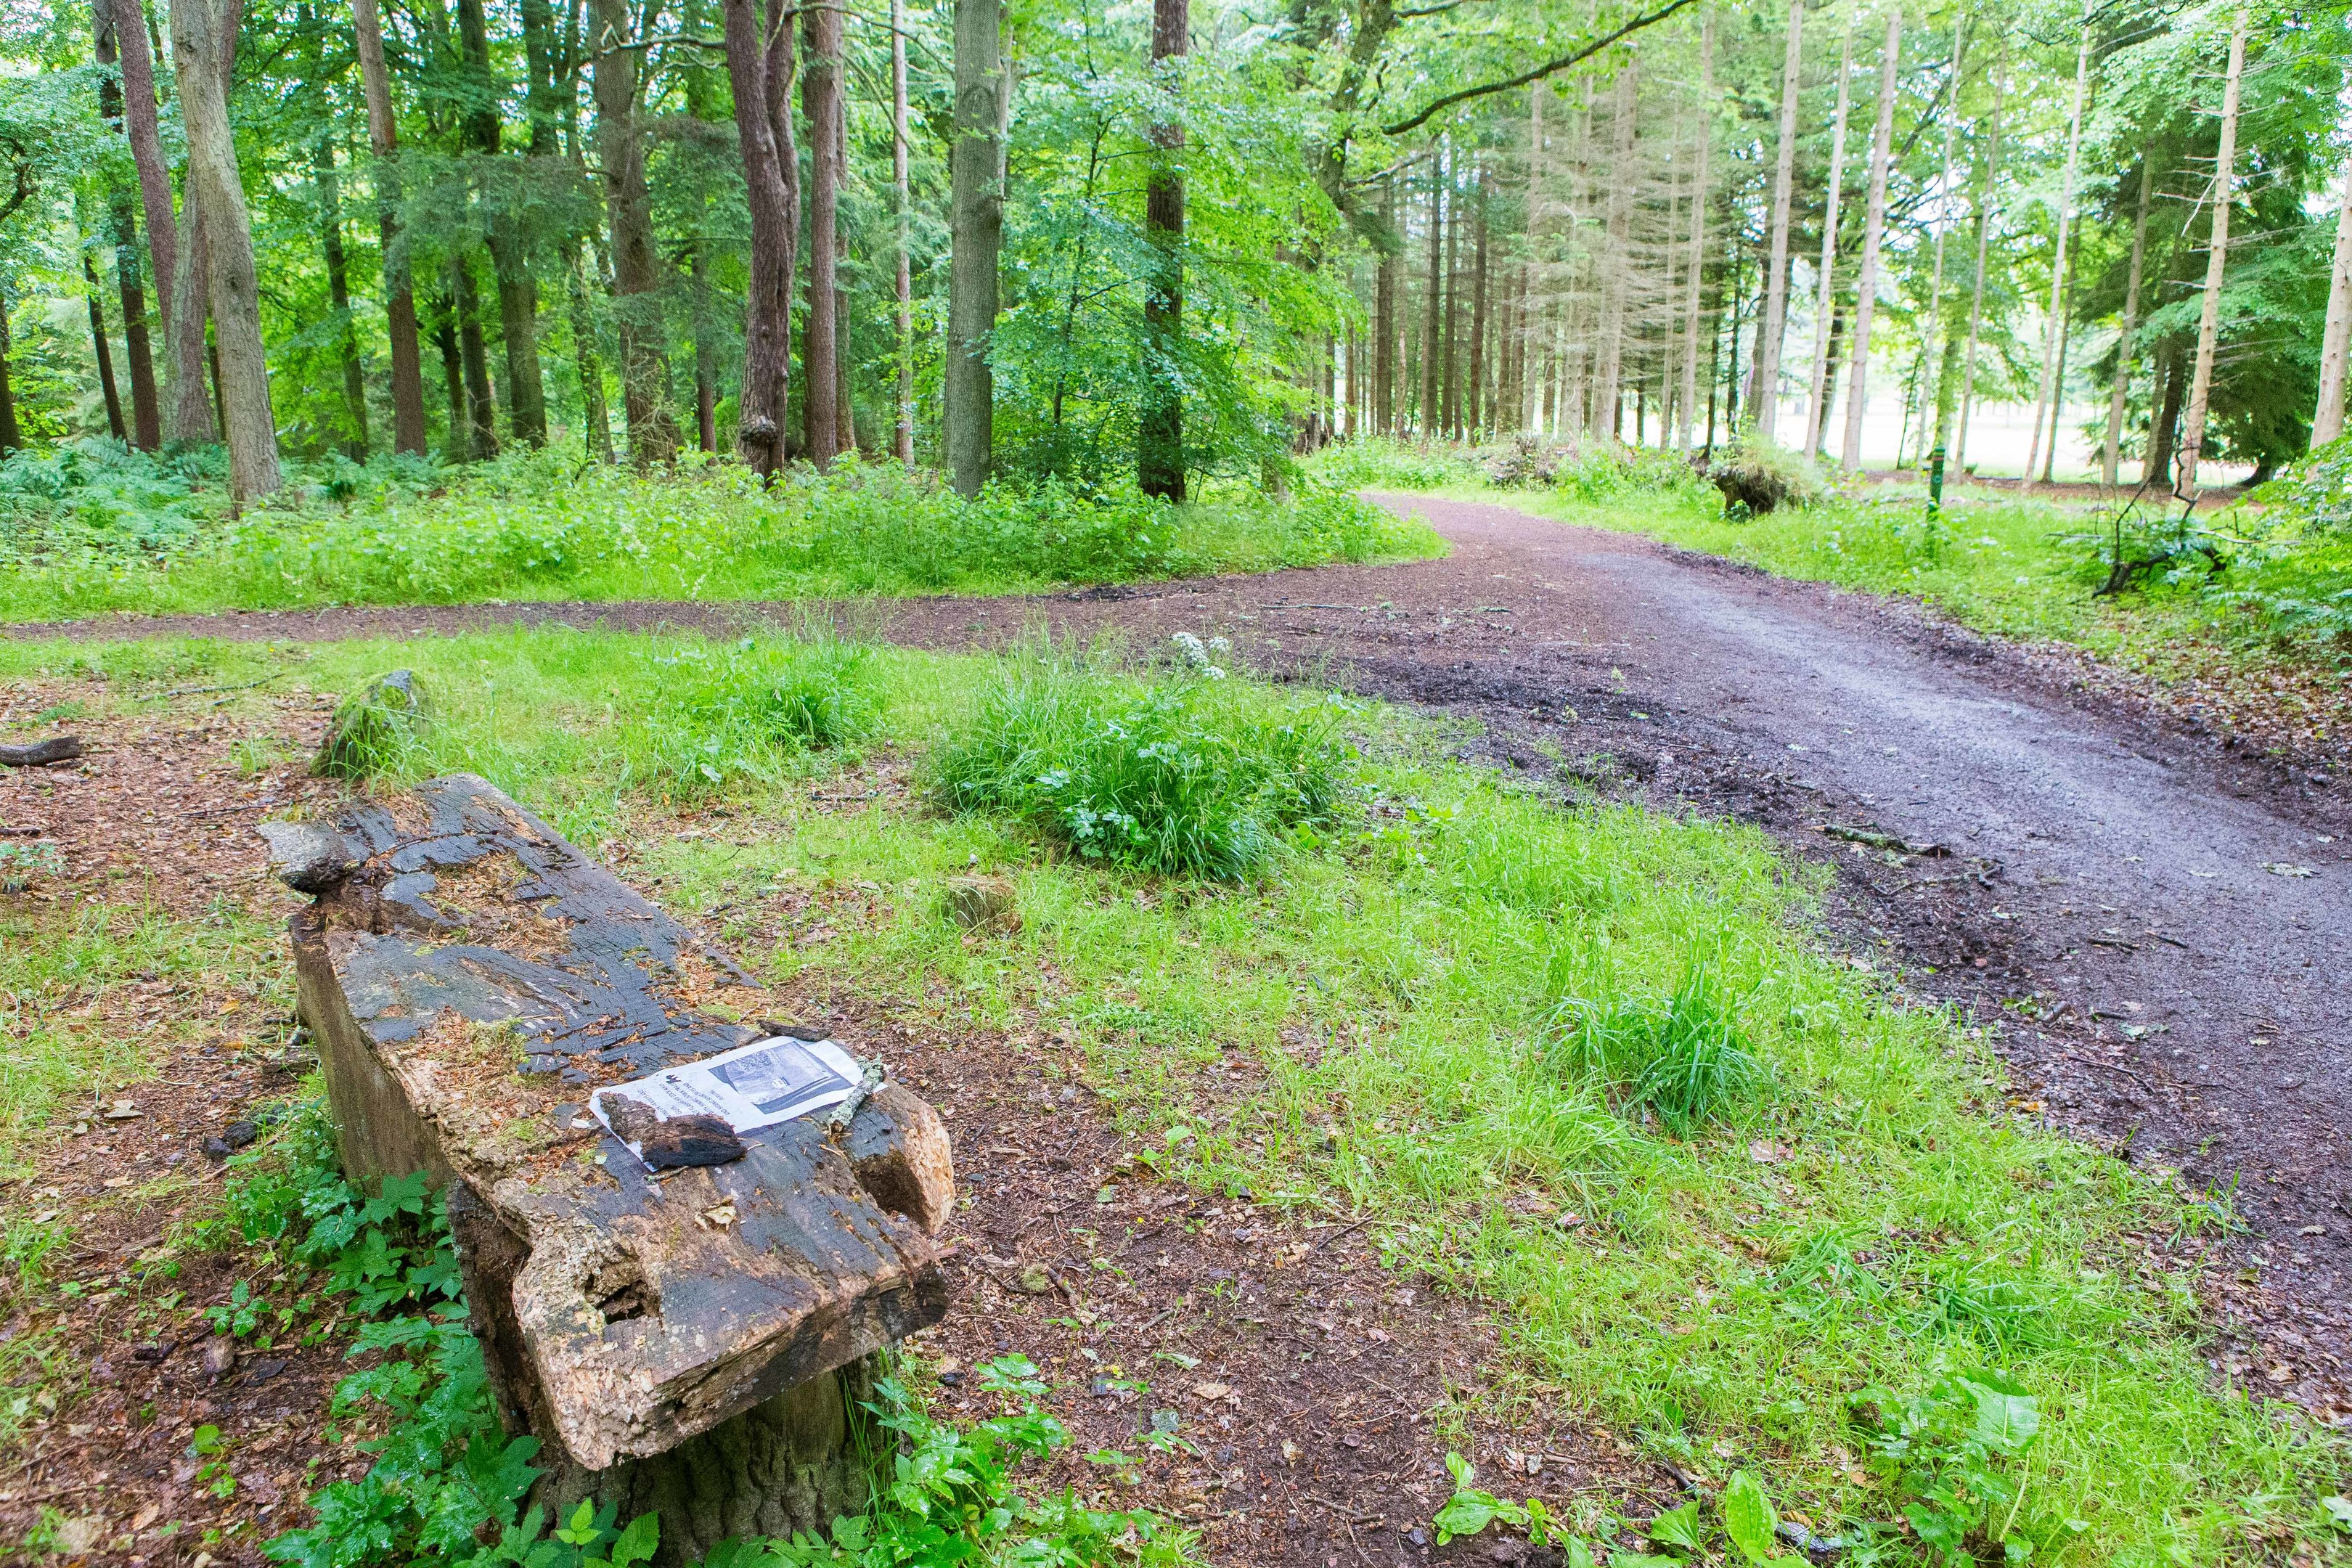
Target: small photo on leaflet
[775, 1078]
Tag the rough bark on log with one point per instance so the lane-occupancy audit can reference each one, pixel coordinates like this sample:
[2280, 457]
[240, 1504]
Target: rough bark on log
[695, 1341]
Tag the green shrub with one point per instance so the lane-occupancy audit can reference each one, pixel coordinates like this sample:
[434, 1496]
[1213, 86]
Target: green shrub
[1376, 462]
[1685, 1061]
[2316, 493]
[1190, 776]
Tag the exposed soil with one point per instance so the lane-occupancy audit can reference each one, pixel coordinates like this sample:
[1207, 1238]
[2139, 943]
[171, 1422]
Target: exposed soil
[1317, 1393]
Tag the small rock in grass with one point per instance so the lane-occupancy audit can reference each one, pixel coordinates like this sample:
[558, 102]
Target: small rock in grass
[371, 731]
[309, 856]
[982, 903]
[220, 1357]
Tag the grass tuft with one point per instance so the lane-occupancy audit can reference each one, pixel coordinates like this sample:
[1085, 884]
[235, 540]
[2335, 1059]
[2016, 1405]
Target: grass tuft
[1684, 1061]
[751, 709]
[1190, 776]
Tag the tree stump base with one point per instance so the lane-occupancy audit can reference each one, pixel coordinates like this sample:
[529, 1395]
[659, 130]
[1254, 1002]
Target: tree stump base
[693, 1341]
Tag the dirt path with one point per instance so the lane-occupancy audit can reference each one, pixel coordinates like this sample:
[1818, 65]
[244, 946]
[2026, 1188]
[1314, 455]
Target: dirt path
[2160, 926]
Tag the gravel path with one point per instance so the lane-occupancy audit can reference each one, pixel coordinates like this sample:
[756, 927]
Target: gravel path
[2161, 926]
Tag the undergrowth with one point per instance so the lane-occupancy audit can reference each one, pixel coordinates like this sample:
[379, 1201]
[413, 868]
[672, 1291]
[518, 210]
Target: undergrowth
[87, 538]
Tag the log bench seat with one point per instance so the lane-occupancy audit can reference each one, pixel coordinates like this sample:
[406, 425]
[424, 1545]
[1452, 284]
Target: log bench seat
[692, 1340]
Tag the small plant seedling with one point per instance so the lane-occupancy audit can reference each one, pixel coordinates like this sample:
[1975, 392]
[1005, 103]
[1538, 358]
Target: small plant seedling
[208, 1445]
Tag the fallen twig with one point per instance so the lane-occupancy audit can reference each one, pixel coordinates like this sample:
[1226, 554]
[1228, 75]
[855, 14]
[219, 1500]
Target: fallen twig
[1342, 1510]
[1336, 1234]
[2111, 1067]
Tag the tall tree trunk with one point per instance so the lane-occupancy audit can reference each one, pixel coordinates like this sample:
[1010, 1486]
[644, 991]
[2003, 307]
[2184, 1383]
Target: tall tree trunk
[187, 408]
[146, 409]
[637, 265]
[588, 362]
[203, 39]
[2164, 425]
[821, 348]
[760, 70]
[2111, 451]
[543, 96]
[1824, 305]
[1984, 241]
[903, 437]
[1617, 280]
[1474, 416]
[510, 264]
[1763, 397]
[188, 283]
[399, 292]
[1698, 264]
[2049, 390]
[1159, 423]
[1434, 303]
[122, 230]
[1530, 310]
[460, 445]
[1872, 232]
[2057, 402]
[1450, 388]
[2327, 420]
[2217, 260]
[706, 358]
[12, 434]
[845, 401]
[1384, 312]
[1933, 427]
[976, 221]
[104, 352]
[481, 410]
[701, 107]
[339, 296]
[1839, 323]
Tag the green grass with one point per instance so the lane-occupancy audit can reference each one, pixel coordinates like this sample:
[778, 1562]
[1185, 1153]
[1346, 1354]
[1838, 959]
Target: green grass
[539, 526]
[1189, 776]
[70, 1026]
[1712, 1181]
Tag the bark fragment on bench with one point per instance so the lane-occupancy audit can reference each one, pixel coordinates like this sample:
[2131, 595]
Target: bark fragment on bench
[471, 979]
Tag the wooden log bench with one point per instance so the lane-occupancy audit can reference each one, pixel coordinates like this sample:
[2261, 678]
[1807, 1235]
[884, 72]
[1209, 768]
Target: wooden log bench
[692, 1340]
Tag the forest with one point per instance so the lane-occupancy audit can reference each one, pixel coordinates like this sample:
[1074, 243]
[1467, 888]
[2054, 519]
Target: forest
[1154, 249]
